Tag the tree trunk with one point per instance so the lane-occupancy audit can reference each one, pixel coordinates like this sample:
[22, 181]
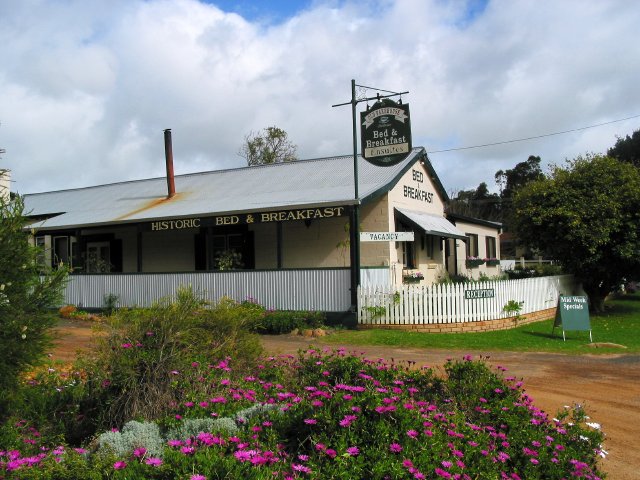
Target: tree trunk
[597, 295]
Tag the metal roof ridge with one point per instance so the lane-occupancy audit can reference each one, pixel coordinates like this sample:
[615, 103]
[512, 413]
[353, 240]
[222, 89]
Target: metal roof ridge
[208, 172]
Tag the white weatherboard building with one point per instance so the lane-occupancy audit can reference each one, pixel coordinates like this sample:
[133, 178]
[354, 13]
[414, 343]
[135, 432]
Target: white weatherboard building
[280, 218]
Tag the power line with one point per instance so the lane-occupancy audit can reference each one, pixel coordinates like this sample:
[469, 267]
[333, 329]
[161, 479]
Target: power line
[534, 137]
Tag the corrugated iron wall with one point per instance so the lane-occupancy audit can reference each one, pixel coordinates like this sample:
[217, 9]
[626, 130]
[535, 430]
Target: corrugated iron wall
[320, 290]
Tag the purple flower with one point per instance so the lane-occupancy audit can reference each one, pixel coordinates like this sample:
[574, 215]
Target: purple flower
[244, 455]
[197, 477]
[300, 468]
[442, 473]
[395, 448]
[412, 433]
[153, 461]
[347, 420]
[139, 452]
[353, 451]
[310, 421]
[120, 465]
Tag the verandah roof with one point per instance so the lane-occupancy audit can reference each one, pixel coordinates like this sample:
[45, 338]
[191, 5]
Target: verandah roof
[430, 224]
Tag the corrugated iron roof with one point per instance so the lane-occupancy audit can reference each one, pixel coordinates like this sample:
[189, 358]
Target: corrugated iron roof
[432, 224]
[325, 181]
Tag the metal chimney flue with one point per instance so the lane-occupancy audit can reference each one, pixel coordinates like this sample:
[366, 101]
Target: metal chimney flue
[168, 153]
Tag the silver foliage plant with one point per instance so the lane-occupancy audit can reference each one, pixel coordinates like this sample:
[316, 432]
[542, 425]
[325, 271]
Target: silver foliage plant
[147, 434]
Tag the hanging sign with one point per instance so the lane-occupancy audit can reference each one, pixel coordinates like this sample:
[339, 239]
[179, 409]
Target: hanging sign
[386, 236]
[385, 132]
[572, 314]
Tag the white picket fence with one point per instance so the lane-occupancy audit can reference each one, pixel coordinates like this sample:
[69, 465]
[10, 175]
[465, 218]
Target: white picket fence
[461, 302]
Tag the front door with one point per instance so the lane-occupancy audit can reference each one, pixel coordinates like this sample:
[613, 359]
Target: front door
[98, 257]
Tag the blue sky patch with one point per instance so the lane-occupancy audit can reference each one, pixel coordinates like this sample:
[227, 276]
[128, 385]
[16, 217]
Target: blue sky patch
[271, 11]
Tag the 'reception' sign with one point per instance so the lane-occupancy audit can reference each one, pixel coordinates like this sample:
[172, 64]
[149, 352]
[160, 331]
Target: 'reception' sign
[385, 132]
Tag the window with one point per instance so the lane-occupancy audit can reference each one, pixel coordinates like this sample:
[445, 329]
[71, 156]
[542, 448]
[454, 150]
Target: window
[408, 255]
[429, 241]
[408, 248]
[491, 247]
[228, 251]
[42, 255]
[472, 245]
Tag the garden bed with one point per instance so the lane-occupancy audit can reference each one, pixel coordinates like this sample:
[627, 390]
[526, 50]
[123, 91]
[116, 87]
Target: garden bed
[553, 380]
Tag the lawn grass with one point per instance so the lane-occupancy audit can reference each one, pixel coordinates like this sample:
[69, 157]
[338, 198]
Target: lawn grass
[619, 324]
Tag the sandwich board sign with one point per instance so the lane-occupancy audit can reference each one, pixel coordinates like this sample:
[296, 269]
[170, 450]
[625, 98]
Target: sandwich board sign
[572, 314]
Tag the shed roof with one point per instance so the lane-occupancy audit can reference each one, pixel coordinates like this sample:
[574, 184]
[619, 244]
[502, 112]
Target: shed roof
[299, 184]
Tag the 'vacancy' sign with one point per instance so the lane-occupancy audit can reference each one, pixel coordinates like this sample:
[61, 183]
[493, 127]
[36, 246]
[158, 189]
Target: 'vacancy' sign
[386, 236]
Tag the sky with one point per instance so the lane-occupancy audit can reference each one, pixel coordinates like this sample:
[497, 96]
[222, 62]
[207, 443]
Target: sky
[88, 86]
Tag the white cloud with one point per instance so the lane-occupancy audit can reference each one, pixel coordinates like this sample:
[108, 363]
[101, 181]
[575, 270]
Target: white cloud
[86, 88]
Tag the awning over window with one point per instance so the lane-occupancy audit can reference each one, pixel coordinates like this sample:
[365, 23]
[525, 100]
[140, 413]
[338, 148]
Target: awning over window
[430, 224]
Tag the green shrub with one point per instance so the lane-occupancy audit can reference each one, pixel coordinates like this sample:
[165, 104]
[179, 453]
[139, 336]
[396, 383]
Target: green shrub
[137, 372]
[534, 270]
[110, 301]
[26, 295]
[460, 278]
[58, 401]
[281, 321]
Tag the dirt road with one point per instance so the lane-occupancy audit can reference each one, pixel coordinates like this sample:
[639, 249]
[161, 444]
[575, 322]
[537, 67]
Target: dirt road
[607, 385]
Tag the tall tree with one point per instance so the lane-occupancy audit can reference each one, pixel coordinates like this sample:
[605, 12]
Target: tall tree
[271, 145]
[478, 203]
[26, 294]
[627, 149]
[586, 215]
[510, 181]
[514, 178]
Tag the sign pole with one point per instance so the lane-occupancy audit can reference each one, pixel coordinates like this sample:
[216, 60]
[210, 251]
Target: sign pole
[354, 227]
[355, 220]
